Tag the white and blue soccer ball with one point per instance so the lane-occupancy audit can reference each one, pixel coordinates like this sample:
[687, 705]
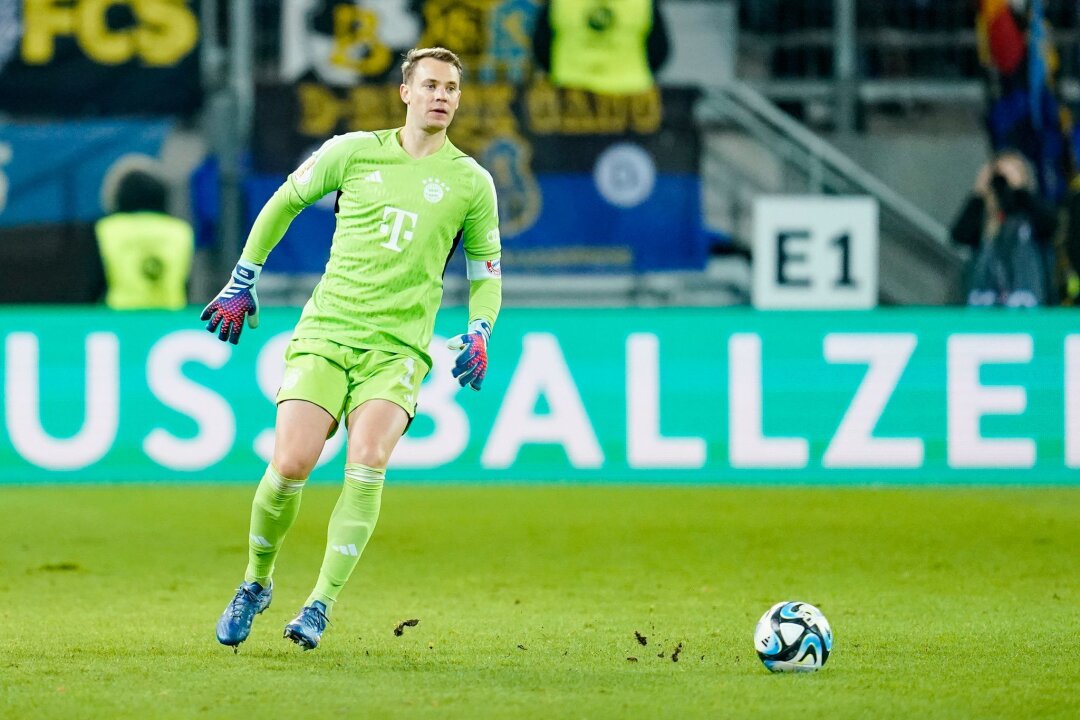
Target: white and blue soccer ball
[793, 637]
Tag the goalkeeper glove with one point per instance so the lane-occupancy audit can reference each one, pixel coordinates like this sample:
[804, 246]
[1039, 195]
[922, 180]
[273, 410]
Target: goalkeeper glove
[234, 302]
[470, 366]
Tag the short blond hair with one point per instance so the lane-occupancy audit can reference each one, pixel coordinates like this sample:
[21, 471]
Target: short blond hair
[435, 53]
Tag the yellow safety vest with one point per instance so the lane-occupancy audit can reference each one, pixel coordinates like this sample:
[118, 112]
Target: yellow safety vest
[601, 45]
[147, 259]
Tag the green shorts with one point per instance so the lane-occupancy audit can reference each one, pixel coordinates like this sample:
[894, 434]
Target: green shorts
[339, 379]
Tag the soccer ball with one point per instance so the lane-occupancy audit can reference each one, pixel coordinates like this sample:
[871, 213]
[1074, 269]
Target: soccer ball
[793, 637]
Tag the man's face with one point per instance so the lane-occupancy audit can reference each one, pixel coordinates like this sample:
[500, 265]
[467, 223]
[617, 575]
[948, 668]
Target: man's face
[432, 95]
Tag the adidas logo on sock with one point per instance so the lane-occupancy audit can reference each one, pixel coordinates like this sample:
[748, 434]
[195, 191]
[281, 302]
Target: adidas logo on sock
[375, 177]
[349, 549]
[260, 540]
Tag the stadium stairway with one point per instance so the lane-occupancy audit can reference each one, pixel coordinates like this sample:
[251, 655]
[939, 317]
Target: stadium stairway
[753, 147]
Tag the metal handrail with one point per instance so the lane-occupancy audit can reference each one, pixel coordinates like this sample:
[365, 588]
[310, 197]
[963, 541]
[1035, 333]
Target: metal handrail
[969, 92]
[739, 102]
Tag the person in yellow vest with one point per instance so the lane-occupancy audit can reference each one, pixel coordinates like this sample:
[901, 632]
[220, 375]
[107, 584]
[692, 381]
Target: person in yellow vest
[610, 47]
[146, 253]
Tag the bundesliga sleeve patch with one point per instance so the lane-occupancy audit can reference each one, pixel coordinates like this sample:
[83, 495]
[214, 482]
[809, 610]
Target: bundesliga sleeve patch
[484, 269]
[303, 173]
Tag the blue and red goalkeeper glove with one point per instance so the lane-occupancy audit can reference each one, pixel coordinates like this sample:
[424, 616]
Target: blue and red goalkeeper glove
[470, 366]
[235, 302]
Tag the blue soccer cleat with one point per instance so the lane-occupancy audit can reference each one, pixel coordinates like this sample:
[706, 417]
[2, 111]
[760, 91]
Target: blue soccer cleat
[306, 629]
[234, 626]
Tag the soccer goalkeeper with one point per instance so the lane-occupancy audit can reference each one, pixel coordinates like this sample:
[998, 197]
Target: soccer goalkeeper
[406, 197]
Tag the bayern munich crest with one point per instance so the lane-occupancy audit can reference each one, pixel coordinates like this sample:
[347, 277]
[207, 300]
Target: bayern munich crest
[435, 189]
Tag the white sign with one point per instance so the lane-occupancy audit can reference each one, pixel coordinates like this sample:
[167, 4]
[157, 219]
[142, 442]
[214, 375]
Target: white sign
[815, 252]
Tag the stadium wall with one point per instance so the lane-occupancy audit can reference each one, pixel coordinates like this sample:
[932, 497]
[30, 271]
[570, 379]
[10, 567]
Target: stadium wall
[898, 396]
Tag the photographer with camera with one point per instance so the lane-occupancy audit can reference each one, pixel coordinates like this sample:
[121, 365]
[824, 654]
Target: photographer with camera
[1010, 230]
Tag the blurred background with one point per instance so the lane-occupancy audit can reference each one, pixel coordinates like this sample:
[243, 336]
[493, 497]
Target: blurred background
[607, 198]
[681, 154]
[776, 271]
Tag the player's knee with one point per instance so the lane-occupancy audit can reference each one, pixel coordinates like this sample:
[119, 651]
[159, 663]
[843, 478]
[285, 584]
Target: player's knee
[294, 467]
[370, 454]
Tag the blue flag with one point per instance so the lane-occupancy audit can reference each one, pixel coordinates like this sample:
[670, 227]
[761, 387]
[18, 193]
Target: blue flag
[1037, 71]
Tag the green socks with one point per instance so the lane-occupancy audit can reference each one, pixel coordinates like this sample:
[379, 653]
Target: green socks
[351, 525]
[277, 501]
[272, 513]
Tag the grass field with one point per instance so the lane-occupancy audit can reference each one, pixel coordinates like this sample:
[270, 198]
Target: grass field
[944, 602]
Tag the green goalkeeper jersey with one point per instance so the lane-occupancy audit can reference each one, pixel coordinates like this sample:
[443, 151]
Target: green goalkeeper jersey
[399, 219]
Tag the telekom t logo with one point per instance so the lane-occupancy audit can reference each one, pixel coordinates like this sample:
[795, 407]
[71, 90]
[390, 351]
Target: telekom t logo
[395, 228]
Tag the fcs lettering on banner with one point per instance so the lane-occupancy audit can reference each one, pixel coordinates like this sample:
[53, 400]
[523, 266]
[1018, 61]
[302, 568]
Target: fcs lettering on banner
[164, 31]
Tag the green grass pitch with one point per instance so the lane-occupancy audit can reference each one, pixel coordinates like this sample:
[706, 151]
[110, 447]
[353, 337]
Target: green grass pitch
[944, 602]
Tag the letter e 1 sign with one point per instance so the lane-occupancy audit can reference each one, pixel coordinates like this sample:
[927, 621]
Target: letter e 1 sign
[815, 252]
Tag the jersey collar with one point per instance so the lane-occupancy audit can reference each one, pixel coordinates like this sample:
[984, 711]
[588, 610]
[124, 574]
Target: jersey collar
[444, 148]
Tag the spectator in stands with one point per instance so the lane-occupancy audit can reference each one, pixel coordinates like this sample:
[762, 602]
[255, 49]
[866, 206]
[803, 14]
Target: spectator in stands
[145, 252]
[1024, 113]
[602, 46]
[1009, 228]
